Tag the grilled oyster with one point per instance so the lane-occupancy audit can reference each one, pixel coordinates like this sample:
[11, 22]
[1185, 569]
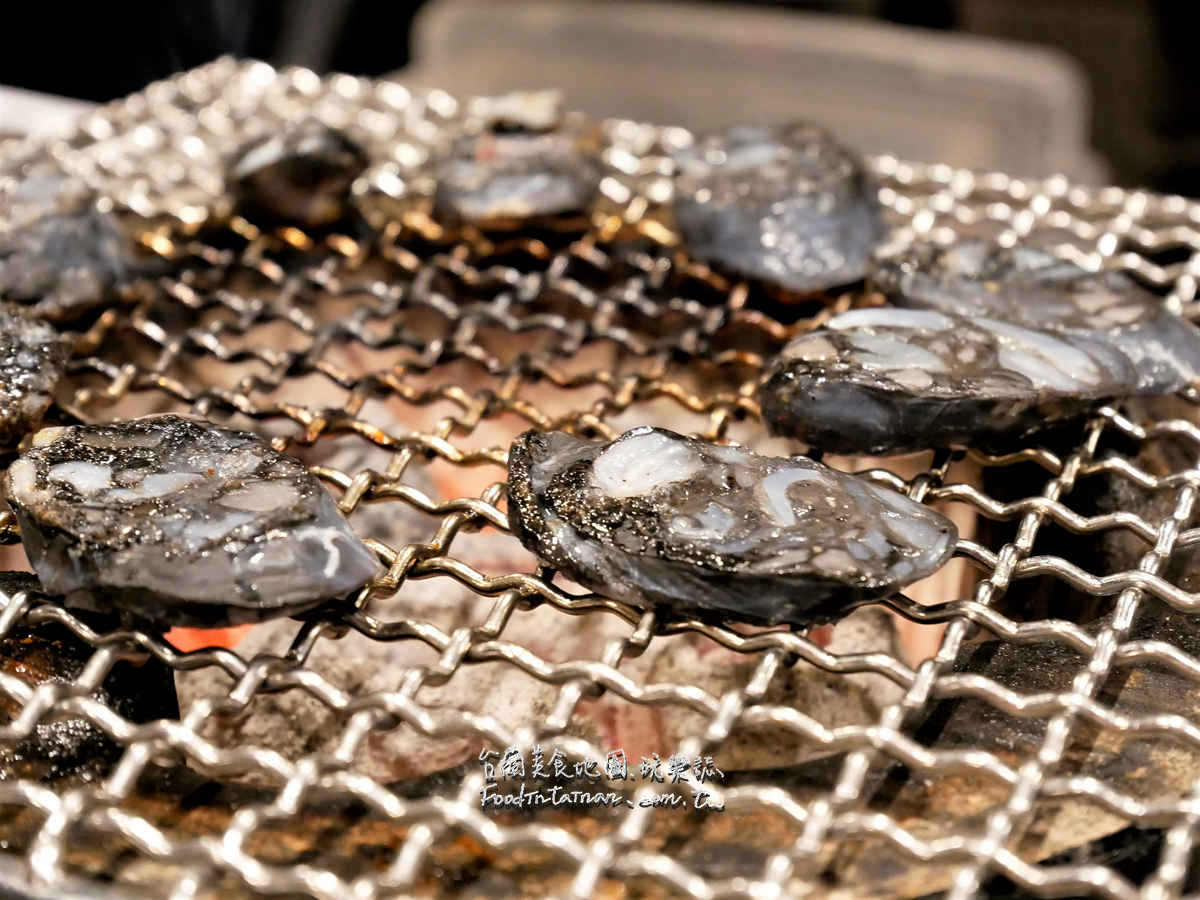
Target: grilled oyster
[525, 164]
[65, 264]
[660, 520]
[51, 653]
[1033, 288]
[529, 111]
[43, 191]
[301, 177]
[896, 380]
[180, 522]
[785, 204]
[32, 357]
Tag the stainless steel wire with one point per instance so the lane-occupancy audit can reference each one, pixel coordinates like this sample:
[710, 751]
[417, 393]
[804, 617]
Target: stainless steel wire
[307, 337]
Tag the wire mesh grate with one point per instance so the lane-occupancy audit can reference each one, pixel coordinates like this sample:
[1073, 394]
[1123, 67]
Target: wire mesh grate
[1058, 707]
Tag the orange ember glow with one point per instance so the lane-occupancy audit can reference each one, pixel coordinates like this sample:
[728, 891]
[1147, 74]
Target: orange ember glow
[188, 639]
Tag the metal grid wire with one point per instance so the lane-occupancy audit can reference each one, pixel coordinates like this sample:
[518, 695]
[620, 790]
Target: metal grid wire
[264, 329]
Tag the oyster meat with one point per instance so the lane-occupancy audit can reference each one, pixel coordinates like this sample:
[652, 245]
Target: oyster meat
[302, 176]
[32, 358]
[48, 652]
[180, 522]
[659, 520]
[887, 380]
[65, 264]
[785, 204]
[1033, 288]
[525, 164]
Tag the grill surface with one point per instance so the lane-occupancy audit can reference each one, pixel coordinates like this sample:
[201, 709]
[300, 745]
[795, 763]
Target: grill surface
[972, 780]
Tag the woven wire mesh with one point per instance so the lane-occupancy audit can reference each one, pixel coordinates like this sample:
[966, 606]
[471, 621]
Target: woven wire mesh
[431, 349]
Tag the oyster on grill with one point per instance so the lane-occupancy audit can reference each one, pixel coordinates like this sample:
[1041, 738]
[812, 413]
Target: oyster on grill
[659, 520]
[895, 380]
[301, 177]
[43, 191]
[180, 522]
[785, 204]
[524, 165]
[1033, 288]
[48, 652]
[65, 264]
[32, 357]
[518, 111]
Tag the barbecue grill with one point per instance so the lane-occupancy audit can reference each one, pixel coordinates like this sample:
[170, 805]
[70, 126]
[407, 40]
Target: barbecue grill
[972, 781]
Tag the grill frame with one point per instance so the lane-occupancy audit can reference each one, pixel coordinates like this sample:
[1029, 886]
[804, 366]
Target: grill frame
[138, 153]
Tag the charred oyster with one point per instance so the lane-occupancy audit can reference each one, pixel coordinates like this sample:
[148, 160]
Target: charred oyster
[524, 164]
[65, 264]
[1033, 288]
[896, 380]
[180, 522]
[785, 204]
[301, 177]
[51, 653]
[32, 357]
[660, 520]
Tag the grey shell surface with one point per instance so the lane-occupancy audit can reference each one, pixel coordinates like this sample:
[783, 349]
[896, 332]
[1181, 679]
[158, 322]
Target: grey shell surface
[32, 358]
[659, 520]
[1031, 287]
[888, 380]
[493, 179]
[180, 522]
[785, 204]
[302, 176]
[43, 191]
[64, 265]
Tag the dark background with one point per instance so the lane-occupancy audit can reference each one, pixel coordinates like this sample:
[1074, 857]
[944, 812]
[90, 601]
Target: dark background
[1138, 54]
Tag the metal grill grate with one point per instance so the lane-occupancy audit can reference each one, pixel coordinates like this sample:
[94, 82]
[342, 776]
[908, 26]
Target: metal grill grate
[428, 350]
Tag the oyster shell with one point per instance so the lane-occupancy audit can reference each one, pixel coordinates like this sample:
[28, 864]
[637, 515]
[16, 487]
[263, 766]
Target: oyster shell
[1033, 288]
[65, 264]
[32, 358]
[786, 204]
[180, 522]
[896, 380]
[43, 191]
[518, 110]
[301, 177]
[514, 171]
[661, 520]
